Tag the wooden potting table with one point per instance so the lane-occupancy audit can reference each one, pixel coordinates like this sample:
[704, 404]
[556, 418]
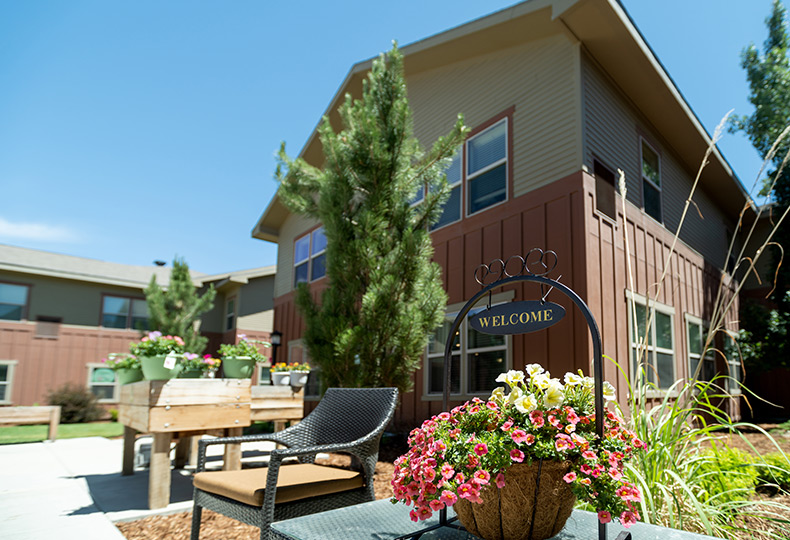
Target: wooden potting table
[181, 409]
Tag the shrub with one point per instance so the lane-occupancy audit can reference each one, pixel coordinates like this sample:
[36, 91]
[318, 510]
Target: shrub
[113, 414]
[77, 403]
[773, 473]
[727, 474]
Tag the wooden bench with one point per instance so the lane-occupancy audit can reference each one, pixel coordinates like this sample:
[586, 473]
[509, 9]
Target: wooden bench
[16, 416]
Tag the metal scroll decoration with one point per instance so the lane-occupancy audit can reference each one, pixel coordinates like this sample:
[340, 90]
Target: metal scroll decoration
[523, 317]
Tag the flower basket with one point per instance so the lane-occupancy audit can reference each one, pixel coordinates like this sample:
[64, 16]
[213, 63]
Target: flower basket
[238, 367]
[154, 368]
[299, 378]
[507, 513]
[281, 378]
[129, 375]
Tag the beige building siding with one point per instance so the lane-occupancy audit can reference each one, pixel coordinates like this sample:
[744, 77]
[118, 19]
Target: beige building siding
[294, 226]
[76, 302]
[613, 133]
[256, 305]
[539, 79]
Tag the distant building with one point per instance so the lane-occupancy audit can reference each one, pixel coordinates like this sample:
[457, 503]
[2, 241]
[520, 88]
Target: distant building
[60, 315]
[559, 94]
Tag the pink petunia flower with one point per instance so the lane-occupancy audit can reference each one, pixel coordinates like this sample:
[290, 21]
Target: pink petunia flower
[517, 455]
[627, 519]
[436, 505]
[481, 449]
[530, 440]
[519, 436]
[604, 516]
[481, 477]
[570, 477]
[500, 480]
[448, 497]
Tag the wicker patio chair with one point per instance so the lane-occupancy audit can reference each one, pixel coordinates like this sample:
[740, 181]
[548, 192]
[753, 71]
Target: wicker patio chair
[347, 420]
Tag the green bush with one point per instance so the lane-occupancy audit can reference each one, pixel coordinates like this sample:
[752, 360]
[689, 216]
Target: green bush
[77, 404]
[113, 414]
[727, 474]
[773, 473]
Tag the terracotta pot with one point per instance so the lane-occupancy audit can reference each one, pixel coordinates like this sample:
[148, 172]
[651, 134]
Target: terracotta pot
[506, 514]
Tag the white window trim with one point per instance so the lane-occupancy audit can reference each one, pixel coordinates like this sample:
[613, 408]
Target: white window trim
[452, 311]
[643, 141]
[263, 368]
[706, 355]
[9, 382]
[308, 260]
[115, 391]
[467, 178]
[636, 298]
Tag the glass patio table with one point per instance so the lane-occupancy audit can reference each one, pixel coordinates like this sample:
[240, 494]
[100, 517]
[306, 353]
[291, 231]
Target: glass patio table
[382, 520]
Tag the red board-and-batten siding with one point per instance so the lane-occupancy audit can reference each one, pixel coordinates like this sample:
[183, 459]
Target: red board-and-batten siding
[592, 261]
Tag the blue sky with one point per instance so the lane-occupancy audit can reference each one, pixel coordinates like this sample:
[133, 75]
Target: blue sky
[135, 131]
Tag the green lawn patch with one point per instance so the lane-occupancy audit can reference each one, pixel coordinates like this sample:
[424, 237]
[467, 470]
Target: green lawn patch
[25, 434]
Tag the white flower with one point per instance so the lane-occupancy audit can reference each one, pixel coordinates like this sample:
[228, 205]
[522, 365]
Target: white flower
[512, 378]
[498, 394]
[589, 383]
[571, 379]
[534, 369]
[554, 395]
[541, 380]
[526, 404]
[609, 393]
[515, 393]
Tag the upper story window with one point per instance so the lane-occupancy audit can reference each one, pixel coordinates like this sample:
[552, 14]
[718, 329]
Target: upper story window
[13, 301]
[651, 182]
[310, 257]
[122, 312]
[230, 314]
[486, 168]
[452, 207]
[652, 340]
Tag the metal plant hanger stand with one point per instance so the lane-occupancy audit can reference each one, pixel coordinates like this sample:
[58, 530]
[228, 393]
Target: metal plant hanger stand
[533, 267]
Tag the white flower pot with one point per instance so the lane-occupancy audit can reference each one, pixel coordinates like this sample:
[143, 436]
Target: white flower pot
[281, 378]
[299, 378]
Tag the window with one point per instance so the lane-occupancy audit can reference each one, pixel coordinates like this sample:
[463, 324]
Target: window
[735, 375]
[695, 341]
[651, 181]
[264, 375]
[486, 168]
[230, 314]
[653, 347]
[121, 312]
[13, 302]
[6, 379]
[101, 381]
[604, 190]
[310, 257]
[477, 359]
[452, 207]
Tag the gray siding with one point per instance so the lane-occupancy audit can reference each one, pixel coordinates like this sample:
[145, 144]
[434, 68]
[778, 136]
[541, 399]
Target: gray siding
[613, 129]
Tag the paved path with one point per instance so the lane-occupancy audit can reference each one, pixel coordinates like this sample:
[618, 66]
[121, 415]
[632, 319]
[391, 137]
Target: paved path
[72, 489]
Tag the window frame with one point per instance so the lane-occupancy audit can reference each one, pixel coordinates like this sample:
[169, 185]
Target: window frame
[310, 257]
[602, 187]
[129, 314]
[467, 178]
[457, 184]
[704, 355]
[730, 340]
[91, 367]
[652, 350]
[7, 399]
[264, 375]
[25, 307]
[230, 314]
[451, 313]
[642, 143]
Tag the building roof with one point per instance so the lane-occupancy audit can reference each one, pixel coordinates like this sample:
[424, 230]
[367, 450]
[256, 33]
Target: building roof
[607, 34]
[45, 263]
[239, 277]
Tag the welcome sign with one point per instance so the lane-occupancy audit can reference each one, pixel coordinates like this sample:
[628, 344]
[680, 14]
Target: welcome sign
[517, 317]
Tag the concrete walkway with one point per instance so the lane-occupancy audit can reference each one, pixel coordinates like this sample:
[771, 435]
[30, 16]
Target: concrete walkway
[73, 489]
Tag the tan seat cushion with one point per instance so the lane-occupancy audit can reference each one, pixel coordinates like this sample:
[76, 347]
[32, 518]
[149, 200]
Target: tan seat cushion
[294, 482]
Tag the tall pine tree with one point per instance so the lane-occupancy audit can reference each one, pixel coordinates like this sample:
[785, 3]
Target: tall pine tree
[385, 297]
[177, 309]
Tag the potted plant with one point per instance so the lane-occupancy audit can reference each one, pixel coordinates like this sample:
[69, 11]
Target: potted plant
[238, 360]
[159, 355]
[281, 374]
[126, 366]
[484, 457]
[195, 367]
[298, 374]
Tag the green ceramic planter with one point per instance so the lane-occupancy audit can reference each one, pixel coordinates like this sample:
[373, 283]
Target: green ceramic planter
[238, 367]
[190, 374]
[154, 369]
[128, 375]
